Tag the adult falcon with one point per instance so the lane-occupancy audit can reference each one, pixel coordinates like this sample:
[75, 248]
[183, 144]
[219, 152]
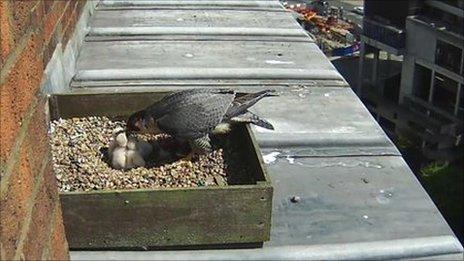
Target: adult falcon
[192, 115]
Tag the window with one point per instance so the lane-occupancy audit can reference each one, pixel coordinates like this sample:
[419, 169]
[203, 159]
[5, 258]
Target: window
[422, 78]
[445, 92]
[461, 103]
[392, 88]
[448, 56]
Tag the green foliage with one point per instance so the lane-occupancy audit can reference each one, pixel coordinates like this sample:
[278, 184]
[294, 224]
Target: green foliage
[435, 168]
[445, 184]
[403, 143]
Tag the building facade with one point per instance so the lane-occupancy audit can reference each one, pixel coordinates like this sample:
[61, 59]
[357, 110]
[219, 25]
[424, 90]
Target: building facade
[412, 52]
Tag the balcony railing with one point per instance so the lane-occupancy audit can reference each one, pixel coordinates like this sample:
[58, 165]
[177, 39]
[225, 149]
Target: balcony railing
[450, 124]
[420, 122]
[385, 34]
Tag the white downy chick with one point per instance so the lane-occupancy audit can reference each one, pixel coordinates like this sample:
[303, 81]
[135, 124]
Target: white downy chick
[118, 139]
[118, 158]
[126, 152]
[133, 156]
[121, 139]
[117, 149]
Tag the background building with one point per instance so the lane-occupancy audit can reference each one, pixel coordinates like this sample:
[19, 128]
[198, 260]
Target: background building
[411, 67]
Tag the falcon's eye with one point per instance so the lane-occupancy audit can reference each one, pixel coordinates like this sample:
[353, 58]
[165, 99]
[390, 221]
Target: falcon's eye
[133, 124]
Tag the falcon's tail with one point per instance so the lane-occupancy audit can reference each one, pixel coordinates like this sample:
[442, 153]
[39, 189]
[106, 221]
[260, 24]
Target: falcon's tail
[250, 117]
[242, 103]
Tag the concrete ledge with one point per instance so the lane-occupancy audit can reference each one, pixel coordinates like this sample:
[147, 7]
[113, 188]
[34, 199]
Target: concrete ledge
[245, 31]
[62, 66]
[379, 250]
[205, 73]
[206, 3]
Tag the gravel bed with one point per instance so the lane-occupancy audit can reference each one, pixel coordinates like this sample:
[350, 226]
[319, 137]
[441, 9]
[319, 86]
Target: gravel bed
[79, 150]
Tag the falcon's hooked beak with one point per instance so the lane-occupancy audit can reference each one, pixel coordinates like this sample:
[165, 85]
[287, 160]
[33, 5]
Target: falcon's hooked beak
[138, 122]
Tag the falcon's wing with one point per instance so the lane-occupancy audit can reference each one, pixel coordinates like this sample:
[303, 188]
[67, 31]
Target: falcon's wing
[196, 114]
[180, 99]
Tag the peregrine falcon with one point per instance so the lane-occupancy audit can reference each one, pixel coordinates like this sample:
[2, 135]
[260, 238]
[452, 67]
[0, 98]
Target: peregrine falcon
[192, 115]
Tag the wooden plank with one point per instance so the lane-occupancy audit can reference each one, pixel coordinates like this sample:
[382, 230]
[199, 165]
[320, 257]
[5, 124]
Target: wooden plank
[169, 217]
[111, 105]
[258, 165]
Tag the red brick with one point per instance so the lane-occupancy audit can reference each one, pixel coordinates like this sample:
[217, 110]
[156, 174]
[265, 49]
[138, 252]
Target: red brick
[50, 180]
[48, 5]
[81, 4]
[50, 47]
[68, 11]
[14, 203]
[59, 245]
[17, 93]
[38, 15]
[70, 26]
[39, 229]
[21, 17]
[37, 135]
[6, 40]
[51, 20]
[61, 6]
[9, 123]
[63, 21]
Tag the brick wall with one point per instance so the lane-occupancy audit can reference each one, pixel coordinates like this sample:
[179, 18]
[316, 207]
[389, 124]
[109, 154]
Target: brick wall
[31, 223]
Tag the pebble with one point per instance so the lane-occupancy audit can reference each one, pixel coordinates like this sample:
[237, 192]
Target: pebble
[295, 199]
[80, 162]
